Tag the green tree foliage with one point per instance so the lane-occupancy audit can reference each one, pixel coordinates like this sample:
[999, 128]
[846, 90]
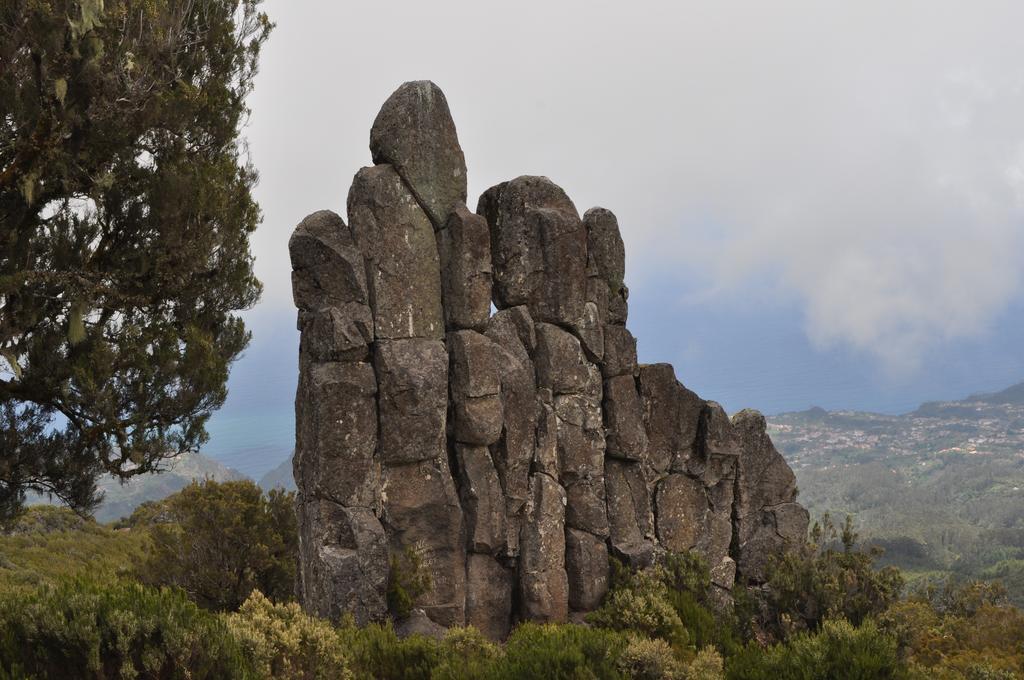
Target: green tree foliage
[220, 541]
[125, 216]
[650, 659]
[117, 629]
[828, 578]
[642, 606]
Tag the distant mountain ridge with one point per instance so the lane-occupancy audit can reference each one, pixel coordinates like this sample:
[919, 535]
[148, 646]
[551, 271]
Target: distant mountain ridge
[121, 499]
[1011, 395]
[279, 478]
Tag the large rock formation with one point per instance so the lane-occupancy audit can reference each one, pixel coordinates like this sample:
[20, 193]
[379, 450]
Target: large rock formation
[515, 452]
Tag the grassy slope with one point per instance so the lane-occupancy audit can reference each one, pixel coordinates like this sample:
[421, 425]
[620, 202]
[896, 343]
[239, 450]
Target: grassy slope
[50, 542]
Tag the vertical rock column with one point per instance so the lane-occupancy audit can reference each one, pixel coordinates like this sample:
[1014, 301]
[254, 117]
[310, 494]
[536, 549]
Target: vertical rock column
[628, 476]
[539, 258]
[767, 519]
[395, 208]
[344, 558]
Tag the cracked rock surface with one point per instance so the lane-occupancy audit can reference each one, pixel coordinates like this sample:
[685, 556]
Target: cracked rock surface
[468, 390]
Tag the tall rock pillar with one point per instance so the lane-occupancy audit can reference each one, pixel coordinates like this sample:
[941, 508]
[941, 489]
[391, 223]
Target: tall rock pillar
[516, 452]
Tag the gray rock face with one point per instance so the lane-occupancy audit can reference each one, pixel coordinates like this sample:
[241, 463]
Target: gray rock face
[538, 249]
[586, 564]
[341, 333]
[327, 266]
[608, 260]
[630, 513]
[482, 500]
[413, 379]
[343, 560]
[414, 132]
[517, 452]
[543, 583]
[419, 623]
[682, 512]
[619, 352]
[624, 419]
[475, 388]
[336, 434]
[464, 246]
[402, 264]
[489, 596]
[767, 519]
[514, 450]
[422, 512]
[671, 418]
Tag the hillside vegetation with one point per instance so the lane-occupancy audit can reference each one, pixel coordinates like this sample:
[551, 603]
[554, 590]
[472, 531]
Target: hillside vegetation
[83, 600]
[941, 489]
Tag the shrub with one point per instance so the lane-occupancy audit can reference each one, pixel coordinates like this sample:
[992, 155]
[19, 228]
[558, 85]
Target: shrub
[221, 541]
[377, 653]
[45, 519]
[561, 652]
[838, 651]
[707, 665]
[467, 655]
[685, 572]
[114, 629]
[640, 605]
[704, 627]
[650, 659]
[281, 641]
[671, 601]
[820, 581]
[50, 543]
[961, 630]
[408, 579]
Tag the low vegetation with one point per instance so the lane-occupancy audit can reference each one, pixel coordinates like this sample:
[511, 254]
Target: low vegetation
[220, 541]
[111, 609]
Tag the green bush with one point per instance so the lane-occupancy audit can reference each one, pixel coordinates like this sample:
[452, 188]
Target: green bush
[671, 601]
[685, 572]
[650, 659]
[467, 655]
[378, 653]
[408, 579]
[838, 651]
[961, 630]
[220, 541]
[640, 605]
[561, 652]
[704, 627]
[707, 665]
[115, 629]
[820, 582]
[281, 641]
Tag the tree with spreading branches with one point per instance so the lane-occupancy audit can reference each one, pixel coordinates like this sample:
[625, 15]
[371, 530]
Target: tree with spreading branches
[126, 210]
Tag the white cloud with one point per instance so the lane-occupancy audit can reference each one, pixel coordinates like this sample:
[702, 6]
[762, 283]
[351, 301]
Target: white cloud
[866, 158]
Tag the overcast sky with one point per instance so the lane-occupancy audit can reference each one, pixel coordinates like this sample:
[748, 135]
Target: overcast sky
[818, 198]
